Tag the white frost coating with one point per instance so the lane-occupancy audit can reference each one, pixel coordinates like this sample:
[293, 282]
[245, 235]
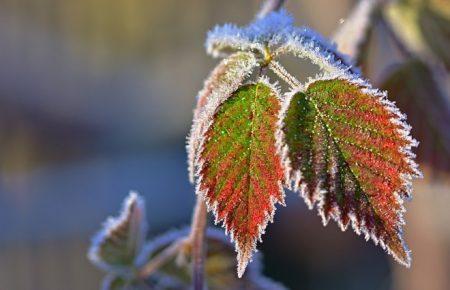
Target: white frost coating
[277, 35]
[226, 78]
[133, 210]
[277, 32]
[353, 32]
[244, 256]
[359, 226]
[308, 45]
[279, 70]
[283, 147]
[268, 31]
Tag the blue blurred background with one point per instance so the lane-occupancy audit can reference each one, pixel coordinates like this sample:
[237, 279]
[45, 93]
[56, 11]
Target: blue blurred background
[96, 99]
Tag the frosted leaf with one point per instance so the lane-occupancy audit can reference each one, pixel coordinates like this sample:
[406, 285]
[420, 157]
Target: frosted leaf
[228, 75]
[308, 44]
[115, 247]
[270, 30]
[240, 173]
[348, 150]
[277, 34]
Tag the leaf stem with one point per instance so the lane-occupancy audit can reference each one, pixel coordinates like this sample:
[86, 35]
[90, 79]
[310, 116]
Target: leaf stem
[162, 258]
[269, 6]
[196, 238]
[284, 75]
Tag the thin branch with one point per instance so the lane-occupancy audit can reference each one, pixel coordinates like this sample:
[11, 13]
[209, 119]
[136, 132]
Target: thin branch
[269, 6]
[197, 238]
[353, 33]
[284, 75]
[162, 258]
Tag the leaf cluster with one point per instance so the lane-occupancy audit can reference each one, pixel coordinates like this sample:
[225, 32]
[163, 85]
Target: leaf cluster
[334, 139]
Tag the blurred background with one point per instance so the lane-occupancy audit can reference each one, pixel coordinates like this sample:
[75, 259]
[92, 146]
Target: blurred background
[96, 99]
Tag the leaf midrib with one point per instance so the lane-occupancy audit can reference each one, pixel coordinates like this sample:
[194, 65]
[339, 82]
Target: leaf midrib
[342, 156]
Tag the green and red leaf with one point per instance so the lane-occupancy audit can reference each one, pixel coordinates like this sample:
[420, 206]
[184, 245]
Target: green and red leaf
[228, 75]
[348, 150]
[240, 170]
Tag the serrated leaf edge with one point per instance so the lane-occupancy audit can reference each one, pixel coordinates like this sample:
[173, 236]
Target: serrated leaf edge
[204, 114]
[242, 258]
[294, 176]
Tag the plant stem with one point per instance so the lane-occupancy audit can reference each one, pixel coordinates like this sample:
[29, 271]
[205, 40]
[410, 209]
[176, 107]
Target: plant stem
[284, 75]
[269, 6]
[353, 33]
[196, 238]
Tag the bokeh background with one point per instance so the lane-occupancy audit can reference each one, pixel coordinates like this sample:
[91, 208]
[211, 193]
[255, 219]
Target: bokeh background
[96, 98]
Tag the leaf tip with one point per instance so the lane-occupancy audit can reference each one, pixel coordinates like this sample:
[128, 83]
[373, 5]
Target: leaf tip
[401, 253]
[244, 257]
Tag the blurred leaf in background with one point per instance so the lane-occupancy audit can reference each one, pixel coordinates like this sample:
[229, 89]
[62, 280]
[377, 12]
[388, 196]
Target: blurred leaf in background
[220, 265]
[414, 88]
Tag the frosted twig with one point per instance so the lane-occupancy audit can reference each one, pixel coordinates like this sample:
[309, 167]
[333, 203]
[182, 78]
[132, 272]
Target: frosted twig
[351, 35]
[284, 75]
[162, 258]
[269, 6]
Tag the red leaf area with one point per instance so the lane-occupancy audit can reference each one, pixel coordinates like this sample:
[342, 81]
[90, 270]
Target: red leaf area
[359, 159]
[241, 170]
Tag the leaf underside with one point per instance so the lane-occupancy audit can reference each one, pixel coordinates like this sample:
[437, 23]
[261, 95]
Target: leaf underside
[119, 242]
[240, 173]
[348, 156]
